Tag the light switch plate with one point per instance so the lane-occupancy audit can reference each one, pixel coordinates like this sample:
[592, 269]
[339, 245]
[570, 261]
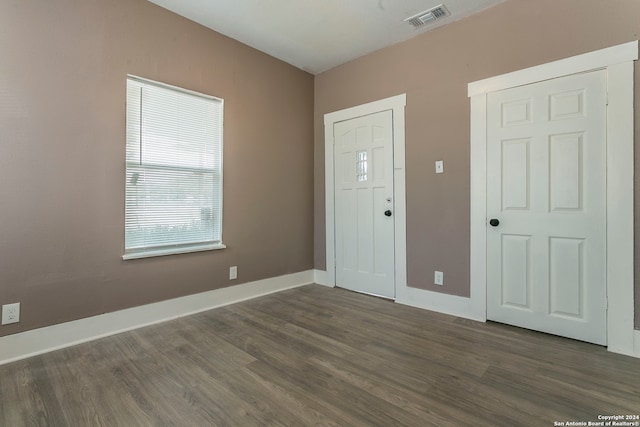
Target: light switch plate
[439, 166]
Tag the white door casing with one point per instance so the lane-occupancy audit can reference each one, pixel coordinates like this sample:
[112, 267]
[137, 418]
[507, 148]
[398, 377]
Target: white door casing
[617, 63]
[546, 195]
[363, 154]
[396, 104]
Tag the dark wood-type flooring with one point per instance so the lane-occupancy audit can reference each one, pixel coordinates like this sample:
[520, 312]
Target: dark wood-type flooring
[315, 356]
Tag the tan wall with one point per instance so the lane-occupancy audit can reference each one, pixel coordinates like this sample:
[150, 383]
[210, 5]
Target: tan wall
[63, 67]
[434, 70]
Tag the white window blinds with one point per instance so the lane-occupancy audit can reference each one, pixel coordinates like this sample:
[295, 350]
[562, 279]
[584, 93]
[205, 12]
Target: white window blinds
[174, 170]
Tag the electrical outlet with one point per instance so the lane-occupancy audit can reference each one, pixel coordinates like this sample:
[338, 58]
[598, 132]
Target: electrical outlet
[233, 272]
[10, 313]
[438, 278]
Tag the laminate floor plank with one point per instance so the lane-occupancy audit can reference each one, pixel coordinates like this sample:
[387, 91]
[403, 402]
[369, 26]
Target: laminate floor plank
[11, 397]
[284, 380]
[79, 395]
[393, 392]
[264, 405]
[312, 343]
[315, 356]
[35, 387]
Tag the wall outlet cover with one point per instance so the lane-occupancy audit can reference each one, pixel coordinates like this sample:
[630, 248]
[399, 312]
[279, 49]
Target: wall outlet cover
[11, 313]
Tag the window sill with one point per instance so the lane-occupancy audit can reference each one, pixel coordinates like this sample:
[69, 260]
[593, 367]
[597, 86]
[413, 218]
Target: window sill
[173, 251]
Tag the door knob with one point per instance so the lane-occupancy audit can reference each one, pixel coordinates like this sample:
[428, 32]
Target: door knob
[387, 213]
[494, 222]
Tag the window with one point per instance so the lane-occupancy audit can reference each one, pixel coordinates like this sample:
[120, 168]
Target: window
[174, 170]
[362, 165]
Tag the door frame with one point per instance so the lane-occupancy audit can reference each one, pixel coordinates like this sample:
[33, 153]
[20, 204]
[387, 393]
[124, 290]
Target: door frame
[396, 104]
[618, 63]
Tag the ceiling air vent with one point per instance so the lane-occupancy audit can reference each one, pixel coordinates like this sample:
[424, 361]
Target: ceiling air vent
[428, 16]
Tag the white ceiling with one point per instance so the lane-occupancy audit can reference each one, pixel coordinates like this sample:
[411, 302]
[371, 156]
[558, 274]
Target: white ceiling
[316, 35]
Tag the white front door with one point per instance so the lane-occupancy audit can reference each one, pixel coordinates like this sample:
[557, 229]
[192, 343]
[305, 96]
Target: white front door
[546, 206]
[364, 221]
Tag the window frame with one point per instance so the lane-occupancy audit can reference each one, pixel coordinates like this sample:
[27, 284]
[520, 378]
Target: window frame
[169, 249]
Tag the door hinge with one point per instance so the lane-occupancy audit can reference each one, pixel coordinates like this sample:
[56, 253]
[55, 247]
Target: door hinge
[606, 303]
[607, 98]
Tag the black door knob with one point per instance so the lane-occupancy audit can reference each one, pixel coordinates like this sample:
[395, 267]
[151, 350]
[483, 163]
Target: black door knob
[387, 213]
[494, 222]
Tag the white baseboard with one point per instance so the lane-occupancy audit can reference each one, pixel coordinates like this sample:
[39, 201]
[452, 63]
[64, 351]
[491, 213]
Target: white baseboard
[435, 301]
[42, 340]
[321, 277]
[464, 307]
[636, 343]
[628, 347]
